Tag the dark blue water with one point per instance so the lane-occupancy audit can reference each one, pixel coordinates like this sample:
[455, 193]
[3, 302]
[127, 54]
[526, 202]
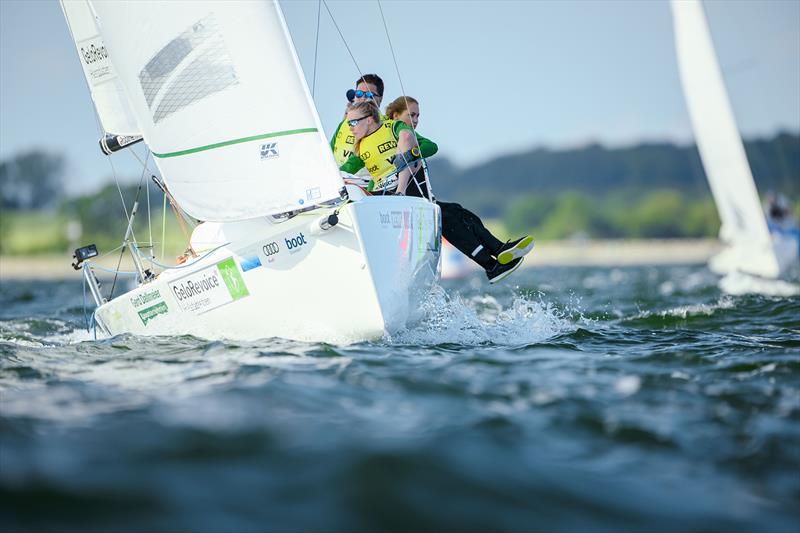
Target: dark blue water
[591, 399]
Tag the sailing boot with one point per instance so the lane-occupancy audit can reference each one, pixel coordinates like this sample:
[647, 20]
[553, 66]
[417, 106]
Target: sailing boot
[500, 271]
[514, 250]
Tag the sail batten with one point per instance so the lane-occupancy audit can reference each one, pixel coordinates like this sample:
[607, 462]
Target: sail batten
[204, 77]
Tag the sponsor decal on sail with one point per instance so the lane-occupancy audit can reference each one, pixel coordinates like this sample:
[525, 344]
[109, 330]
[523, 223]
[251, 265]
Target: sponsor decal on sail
[94, 60]
[269, 151]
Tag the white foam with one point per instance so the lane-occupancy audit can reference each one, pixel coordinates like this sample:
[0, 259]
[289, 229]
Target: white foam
[483, 320]
[737, 283]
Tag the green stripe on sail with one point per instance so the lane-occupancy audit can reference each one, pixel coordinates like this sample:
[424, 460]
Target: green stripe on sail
[235, 141]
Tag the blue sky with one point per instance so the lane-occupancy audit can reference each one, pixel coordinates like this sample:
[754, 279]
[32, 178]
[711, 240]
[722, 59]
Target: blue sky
[493, 77]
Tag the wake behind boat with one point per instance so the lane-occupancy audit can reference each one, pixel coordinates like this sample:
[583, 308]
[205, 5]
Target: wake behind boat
[290, 251]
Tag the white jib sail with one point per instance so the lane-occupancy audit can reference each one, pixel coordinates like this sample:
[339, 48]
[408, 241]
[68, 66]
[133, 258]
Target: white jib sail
[218, 91]
[719, 142]
[108, 94]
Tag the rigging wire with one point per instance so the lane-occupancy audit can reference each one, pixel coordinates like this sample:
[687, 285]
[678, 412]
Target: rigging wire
[391, 49]
[344, 41]
[316, 48]
[405, 100]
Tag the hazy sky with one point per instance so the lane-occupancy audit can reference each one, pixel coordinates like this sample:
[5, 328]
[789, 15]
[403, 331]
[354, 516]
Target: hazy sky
[493, 77]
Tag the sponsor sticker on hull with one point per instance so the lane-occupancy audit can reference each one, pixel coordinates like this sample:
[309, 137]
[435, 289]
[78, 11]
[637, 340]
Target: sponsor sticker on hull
[209, 288]
[149, 304]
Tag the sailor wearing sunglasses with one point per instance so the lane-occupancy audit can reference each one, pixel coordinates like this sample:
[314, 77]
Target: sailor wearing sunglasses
[386, 148]
[369, 87]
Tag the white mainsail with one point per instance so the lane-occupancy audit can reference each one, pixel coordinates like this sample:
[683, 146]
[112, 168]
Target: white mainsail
[222, 104]
[108, 94]
[744, 228]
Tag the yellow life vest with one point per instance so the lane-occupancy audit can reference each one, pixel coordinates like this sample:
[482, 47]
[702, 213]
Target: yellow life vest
[377, 150]
[343, 144]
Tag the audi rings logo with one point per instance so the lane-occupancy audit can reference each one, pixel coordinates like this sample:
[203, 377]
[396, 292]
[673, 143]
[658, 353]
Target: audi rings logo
[271, 248]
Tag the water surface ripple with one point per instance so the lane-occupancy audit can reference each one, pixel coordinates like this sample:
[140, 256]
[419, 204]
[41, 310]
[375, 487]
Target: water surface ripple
[596, 399]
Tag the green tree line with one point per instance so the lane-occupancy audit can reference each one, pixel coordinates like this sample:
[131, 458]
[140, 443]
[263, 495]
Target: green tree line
[652, 190]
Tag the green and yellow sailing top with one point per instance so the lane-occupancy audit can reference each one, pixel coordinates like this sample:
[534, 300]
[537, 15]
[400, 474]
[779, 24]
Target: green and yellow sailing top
[379, 148]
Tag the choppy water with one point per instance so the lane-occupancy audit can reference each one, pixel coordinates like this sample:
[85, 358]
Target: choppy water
[582, 399]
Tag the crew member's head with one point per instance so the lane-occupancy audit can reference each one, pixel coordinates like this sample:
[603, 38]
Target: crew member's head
[369, 87]
[362, 118]
[404, 108]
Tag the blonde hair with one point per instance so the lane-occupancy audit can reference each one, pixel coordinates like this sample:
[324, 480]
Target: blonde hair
[399, 105]
[369, 109]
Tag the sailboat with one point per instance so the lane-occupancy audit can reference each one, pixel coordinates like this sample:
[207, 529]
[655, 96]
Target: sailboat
[216, 91]
[749, 246]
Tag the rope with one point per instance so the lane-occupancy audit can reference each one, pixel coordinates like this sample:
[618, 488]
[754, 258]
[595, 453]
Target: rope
[403, 90]
[178, 267]
[344, 41]
[163, 225]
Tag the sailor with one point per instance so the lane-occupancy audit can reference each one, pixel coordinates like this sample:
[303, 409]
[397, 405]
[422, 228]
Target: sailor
[369, 87]
[390, 152]
[461, 227]
[386, 148]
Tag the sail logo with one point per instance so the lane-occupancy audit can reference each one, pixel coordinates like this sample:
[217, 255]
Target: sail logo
[313, 194]
[295, 243]
[269, 151]
[94, 60]
[92, 54]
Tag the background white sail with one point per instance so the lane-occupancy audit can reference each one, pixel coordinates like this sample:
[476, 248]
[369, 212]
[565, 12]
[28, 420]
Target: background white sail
[744, 227]
[108, 94]
[223, 105]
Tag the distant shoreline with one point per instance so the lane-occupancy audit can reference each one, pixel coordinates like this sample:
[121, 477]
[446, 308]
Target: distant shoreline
[545, 253]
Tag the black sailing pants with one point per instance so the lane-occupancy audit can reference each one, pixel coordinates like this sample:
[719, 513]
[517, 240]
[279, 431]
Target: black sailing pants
[464, 230]
[461, 227]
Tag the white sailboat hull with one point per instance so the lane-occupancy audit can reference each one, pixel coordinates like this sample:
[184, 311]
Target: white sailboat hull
[779, 259]
[361, 279]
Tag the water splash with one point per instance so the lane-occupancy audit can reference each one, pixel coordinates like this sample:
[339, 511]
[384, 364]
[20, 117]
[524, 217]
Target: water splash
[483, 320]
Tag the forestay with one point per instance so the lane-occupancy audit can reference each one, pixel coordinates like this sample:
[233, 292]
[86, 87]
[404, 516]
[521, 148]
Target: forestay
[223, 105]
[717, 136]
[108, 94]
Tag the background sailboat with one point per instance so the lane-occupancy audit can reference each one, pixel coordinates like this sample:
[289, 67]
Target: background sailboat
[749, 246]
